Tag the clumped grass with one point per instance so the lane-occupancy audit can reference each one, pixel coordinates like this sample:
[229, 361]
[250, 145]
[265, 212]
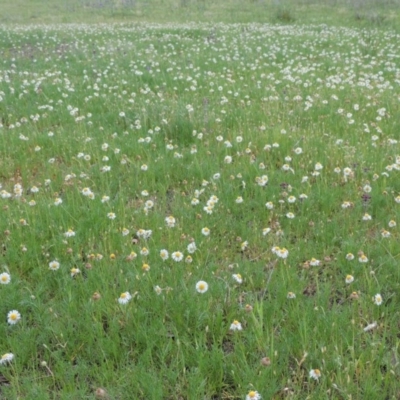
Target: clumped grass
[262, 159]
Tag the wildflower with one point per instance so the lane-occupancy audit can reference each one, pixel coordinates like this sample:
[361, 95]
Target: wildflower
[164, 254]
[354, 296]
[5, 278]
[177, 256]
[144, 251]
[253, 395]
[149, 204]
[291, 199]
[146, 267]
[124, 298]
[392, 224]
[188, 259]
[57, 201]
[125, 232]
[265, 231]
[269, 205]
[191, 248]
[315, 374]
[377, 299]
[205, 231]
[194, 201]
[367, 188]
[314, 262]
[347, 204]
[291, 295]
[54, 265]
[298, 150]
[6, 358]
[239, 200]
[236, 326]
[157, 289]
[13, 317]
[349, 278]
[385, 233]
[104, 199]
[366, 217]
[363, 258]
[201, 286]
[318, 166]
[75, 271]
[111, 215]
[227, 159]
[69, 233]
[282, 253]
[144, 167]
[290, 215]
[170, 221]
[397, 199]
[131, 256]
[349, 256]
[238, 278]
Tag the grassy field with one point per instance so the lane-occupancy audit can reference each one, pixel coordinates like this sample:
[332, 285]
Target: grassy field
[199, 210]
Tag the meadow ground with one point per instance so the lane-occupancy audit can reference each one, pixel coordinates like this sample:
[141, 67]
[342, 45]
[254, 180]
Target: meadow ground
[199, 210]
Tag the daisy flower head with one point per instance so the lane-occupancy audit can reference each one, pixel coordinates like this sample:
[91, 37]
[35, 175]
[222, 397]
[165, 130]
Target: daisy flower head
[318, 166]
[74, 272]
[314, 262]
[54, 265]
[349, 256]
[145, 267]
[188, 259]
[191, 248]
[385, 233]
[282, 252]
[111, 215]
[13, 317]
[392, 223]
[366, 217]
[378, 299]
[5, 278]
[269, 205]
[164, 254]
[170, 221]
[236, 326]
[57, 201]
[239, 200]
[363, 258]
[177, 256]
[291, 295]
[253, 395]
[201, 286]
[265, 231]
[315, 374]
[6, 358]
[144, 251]
[205, 231]
[349, 279]
[290, 215]
[124, 298]
[69, 233]
[238, 278]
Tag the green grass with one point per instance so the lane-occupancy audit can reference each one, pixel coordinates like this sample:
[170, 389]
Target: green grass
[209, 108]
